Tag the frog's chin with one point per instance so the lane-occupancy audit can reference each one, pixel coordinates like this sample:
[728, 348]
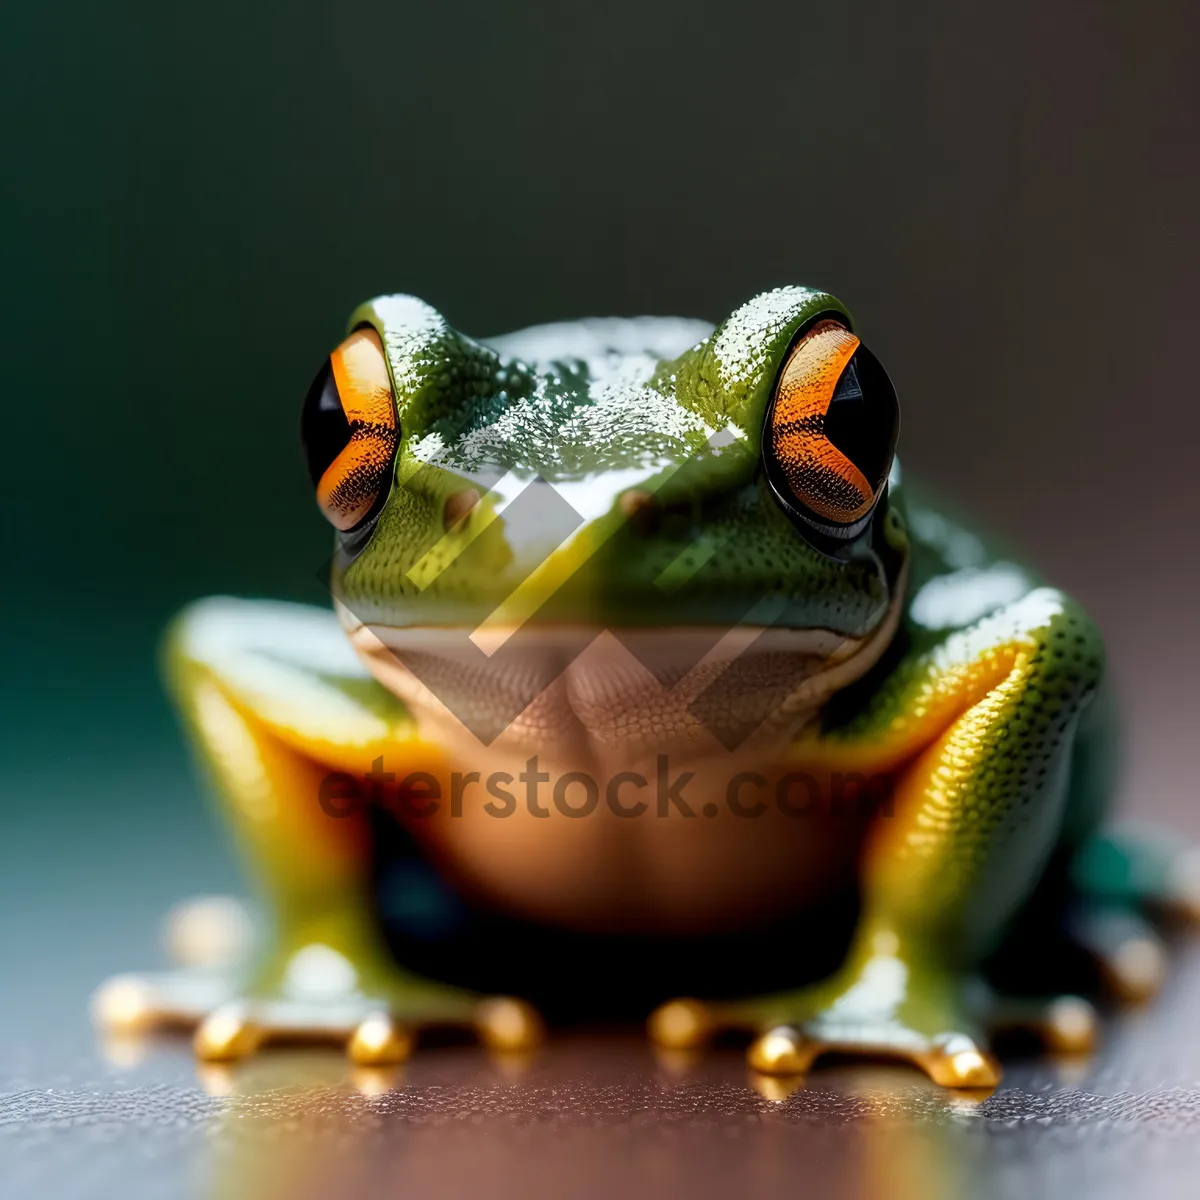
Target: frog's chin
[586, 698]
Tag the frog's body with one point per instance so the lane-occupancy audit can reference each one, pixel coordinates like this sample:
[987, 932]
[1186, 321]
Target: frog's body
[876, 752]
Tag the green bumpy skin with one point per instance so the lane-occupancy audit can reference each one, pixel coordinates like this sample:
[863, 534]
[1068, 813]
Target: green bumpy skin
[595, 428]
[978, 695]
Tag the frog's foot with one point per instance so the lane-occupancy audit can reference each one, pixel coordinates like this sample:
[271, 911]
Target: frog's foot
[210, 939]
[883, 1008]
[1124, 886]
[312, 992]
[1124, 947]
[320, 995]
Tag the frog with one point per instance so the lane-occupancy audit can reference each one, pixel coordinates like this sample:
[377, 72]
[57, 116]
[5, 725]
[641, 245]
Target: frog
[650, 679]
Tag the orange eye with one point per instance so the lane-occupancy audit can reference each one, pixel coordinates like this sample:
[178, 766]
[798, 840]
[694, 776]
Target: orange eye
[349, 430]
[831, 431]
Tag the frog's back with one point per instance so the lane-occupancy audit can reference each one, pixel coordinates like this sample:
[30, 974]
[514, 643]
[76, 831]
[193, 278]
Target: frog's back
[611, 349]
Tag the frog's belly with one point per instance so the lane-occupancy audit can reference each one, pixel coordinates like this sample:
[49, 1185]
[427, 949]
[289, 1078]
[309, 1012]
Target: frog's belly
[700, 862]
[722, 838]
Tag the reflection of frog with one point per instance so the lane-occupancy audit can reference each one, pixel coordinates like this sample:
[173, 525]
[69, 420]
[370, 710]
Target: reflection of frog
[764, 686]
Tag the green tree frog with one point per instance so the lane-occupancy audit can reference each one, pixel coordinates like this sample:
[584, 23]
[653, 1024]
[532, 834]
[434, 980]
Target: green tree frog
[647, 679]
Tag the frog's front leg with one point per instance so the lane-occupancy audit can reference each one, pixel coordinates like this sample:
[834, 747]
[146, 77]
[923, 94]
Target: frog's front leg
[978, 731]
[277, 703]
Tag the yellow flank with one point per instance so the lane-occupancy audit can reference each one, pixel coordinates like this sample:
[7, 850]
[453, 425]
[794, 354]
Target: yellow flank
[272, 792]
[349, 739]
[925, 714]
[932, 804]
[322, 720]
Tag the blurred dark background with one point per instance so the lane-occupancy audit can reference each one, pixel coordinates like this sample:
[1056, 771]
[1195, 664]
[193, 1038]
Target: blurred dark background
[196, 195]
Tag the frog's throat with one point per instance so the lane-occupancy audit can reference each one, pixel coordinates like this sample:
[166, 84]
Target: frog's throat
[587, 697]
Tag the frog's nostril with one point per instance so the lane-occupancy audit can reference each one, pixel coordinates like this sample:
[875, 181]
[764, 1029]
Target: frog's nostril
[458, 507]
[640, 510]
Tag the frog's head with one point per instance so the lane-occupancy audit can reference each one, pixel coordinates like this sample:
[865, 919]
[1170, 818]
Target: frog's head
[628, 527]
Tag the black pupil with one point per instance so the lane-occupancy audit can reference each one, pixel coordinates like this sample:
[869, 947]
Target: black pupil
[863, 417]
[324, 429]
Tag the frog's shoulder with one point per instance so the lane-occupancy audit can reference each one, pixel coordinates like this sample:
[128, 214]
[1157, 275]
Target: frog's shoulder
[958, 575]
[958, 571]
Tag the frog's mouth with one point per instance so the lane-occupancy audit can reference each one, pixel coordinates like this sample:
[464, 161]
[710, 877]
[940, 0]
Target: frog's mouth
[592, 696]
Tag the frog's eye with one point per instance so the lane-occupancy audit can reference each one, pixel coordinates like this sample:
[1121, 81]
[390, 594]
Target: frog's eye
[349, 430]
[831, 432]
